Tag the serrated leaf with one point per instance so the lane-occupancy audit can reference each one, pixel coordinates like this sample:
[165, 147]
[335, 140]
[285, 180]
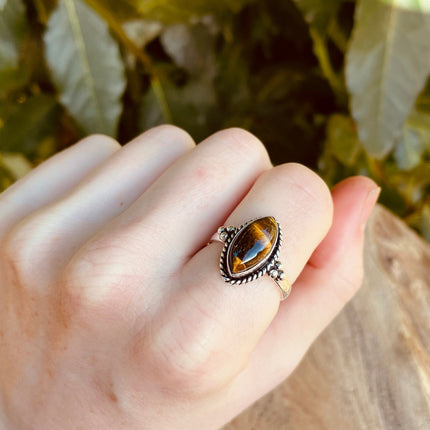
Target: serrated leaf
[86, 66]
[29, 123]
[386, 66]
[13, 27]
[318, 13]
[174, 11]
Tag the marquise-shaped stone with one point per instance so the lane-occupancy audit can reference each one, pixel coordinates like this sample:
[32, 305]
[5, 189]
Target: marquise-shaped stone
[253, 245]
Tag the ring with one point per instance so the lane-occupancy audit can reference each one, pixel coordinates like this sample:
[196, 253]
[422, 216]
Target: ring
[252, 250]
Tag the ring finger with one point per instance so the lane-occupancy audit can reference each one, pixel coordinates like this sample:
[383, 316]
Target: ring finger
[60, 228]
[218, 324]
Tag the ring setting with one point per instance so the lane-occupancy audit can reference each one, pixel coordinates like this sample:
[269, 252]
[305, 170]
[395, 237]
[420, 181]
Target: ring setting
[251, 251]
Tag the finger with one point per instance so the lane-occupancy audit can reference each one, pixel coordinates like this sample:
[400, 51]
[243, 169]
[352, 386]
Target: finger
[329, 280]
[101, 196]
[53, 178]
[177, 215]
[218, 324]
[200, 190]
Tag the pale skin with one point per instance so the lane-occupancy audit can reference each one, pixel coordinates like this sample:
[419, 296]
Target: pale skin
[113, 313]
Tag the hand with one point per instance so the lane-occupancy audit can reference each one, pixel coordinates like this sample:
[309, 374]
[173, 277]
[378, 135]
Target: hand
[113, 313]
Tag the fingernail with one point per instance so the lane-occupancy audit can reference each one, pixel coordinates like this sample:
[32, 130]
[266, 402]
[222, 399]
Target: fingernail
[368, 205]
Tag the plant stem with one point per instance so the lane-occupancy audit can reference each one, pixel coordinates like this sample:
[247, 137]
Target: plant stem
[161, 98]
[320, 50]
[337, 35]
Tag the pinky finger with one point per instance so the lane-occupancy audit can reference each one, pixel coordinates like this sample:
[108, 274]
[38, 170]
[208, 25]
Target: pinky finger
[53, 178]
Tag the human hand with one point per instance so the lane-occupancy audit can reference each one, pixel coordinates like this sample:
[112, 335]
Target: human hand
[113, 313]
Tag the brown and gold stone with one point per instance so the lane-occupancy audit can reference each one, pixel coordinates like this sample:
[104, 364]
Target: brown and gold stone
[253, 245]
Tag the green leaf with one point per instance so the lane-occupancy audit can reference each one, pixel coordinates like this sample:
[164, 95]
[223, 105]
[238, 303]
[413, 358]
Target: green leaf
[342, 139]
[16, 164]
[86, 66]
[191, 107]
[413, 184]
[173, 11]
[13, 27]
[11, 79]
[28, 124]
[425, 222]
[318, 13]
[420, 121]
[415, 140]
[421, 220]
[420, 5]
[408, 150]
[6, 177]
[122, 9]
[387, 65]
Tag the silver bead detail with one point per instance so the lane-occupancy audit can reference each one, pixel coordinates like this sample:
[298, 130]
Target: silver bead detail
[273, 273]
[223, 236]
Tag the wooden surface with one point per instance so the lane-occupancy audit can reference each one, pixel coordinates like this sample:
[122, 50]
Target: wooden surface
[370, 369]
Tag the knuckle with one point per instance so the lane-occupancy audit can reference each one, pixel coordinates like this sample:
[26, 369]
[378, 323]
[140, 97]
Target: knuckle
[172, 135]
[19, 251]
[183, 369]
[244, 144]
[185, 357]
[99, 283]
[101, 141]
[315, 194]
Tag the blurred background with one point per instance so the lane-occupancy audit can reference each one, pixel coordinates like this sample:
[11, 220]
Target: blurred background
[341, 86]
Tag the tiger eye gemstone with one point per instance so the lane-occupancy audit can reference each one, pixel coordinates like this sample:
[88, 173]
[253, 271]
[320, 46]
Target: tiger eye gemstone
[253, 245]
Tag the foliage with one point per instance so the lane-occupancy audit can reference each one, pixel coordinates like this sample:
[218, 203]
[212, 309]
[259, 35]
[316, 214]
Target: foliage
[342, 86]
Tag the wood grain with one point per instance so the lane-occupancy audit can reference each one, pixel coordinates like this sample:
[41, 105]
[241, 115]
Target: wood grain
[370, 369]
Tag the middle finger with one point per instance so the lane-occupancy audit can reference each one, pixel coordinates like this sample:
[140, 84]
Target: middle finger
[175, 217]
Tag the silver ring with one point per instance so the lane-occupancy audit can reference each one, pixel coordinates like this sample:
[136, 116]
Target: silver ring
[251, 251]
